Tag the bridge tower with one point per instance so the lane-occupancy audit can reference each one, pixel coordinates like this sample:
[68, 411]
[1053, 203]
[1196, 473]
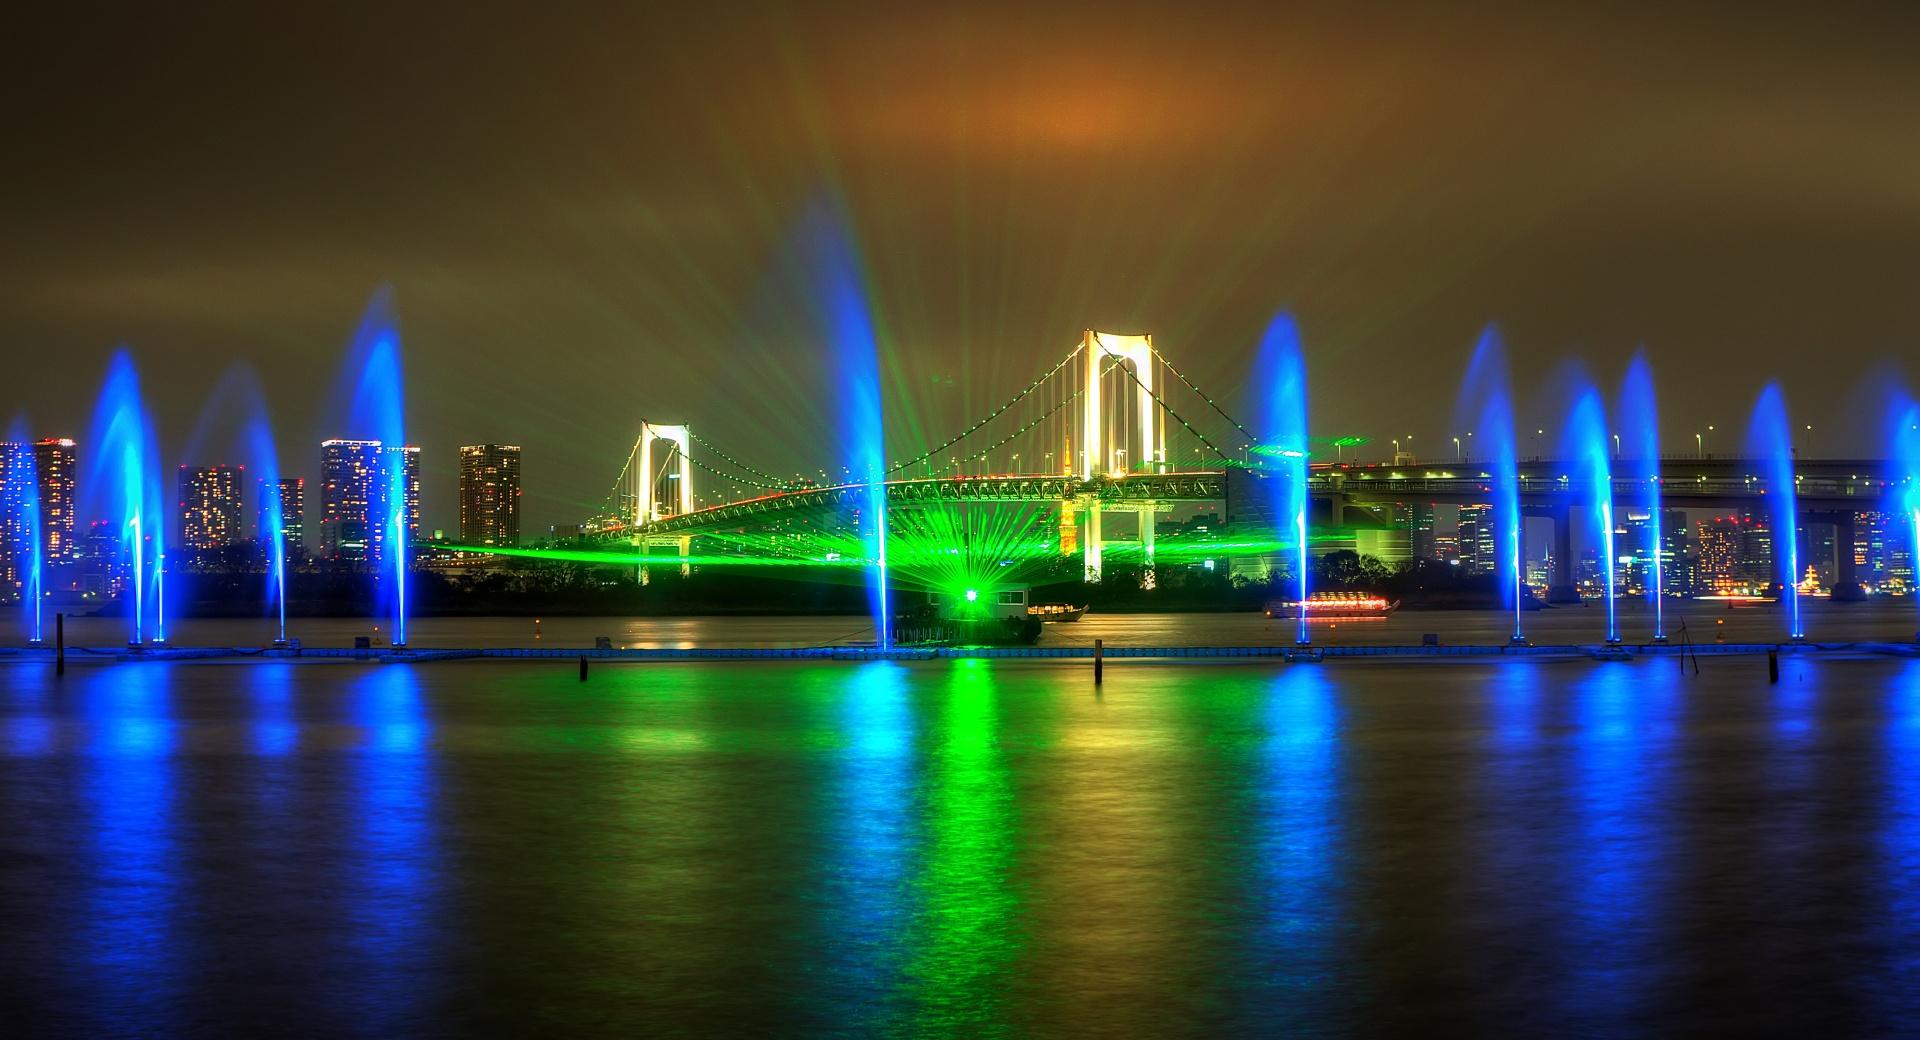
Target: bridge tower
[648, 504]
[1112, 449]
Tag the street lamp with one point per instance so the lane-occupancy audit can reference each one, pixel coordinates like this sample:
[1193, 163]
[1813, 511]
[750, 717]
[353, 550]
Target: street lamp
[1616, 446]
[1456, 449]
[1699, 445]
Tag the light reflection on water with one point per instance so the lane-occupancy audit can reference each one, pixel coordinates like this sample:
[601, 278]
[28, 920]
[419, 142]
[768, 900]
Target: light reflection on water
[393, 866]
[131, 873]
[1300, 859]
[962, 849]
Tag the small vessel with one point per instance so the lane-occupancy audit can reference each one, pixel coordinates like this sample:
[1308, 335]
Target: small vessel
[1334, 605]
[1056, 612]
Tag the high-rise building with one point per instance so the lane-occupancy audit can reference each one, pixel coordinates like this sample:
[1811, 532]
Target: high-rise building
[210, 513]
[1478, 552]
[55, 465]
[103, 571]
[291, 498]
[347, 472]
[407, 458]
[1735, 554]
[1416, 518]
[490, 494]
[16, 487]
[354, 482]
[1680, 563]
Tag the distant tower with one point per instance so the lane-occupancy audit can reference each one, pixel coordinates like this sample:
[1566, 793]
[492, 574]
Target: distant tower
[16, 462]
[347, 470]
[490, 494]
[292, 500]
[210, 508]
[56, 463]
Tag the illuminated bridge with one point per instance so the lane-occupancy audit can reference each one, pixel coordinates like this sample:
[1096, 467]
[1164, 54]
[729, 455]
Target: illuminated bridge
[1116, 458]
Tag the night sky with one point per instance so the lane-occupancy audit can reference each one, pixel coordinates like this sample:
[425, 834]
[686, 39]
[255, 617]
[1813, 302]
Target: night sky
[580, 212]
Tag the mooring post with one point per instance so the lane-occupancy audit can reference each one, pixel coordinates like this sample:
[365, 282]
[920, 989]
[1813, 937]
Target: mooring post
[1099, 662]
[1773, 666]
[60, 644]
[583, 667]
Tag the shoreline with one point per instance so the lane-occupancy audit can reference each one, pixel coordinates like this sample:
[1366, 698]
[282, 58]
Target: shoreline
[1286, 654]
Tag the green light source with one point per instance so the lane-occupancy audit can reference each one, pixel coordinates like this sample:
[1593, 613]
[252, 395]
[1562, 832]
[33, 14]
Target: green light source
[973, 595]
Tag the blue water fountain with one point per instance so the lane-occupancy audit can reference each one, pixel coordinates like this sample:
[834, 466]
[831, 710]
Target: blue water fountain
[1770, 440]
[1639, 417]
[377, 412]
[1281, 375]
[1584, 444]
[1903, 435]
[240, 396]
[1485, 407]
[122, 483]
[833, 275]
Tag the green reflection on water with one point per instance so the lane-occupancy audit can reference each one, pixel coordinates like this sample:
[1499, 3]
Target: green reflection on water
[963, 937]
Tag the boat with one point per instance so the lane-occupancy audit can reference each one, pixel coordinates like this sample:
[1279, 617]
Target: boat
[1056, 612]
[1334, 605]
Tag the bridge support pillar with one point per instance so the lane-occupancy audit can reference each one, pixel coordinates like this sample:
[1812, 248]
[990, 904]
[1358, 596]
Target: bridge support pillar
[1846, 579]
[1090, 539]
[1561, 587]
[1148, 579]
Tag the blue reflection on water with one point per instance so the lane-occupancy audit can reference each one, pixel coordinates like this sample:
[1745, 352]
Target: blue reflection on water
[1900, 846]
[1300, 838]
[391, 874]
[874, 836]
[270, 688]
[131, 882]
[1620, 844]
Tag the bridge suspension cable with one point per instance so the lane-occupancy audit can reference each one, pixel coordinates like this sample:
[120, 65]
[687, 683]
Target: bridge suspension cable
[730, 460]
[991, 416]
[1204, 396]
[1184, 424]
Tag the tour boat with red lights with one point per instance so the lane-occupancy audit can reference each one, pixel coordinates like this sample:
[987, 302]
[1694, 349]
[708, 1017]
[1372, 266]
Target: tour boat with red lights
[1334, 605]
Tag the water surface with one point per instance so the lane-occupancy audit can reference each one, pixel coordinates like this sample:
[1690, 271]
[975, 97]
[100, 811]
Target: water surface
[960, 848]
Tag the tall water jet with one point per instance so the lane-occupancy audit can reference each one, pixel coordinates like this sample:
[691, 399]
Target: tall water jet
[1903, 437]
[833, 292]
[1282, 379]
[122, 484]
[1485, 407]
[377, 413]
[21, 495]
[1585, 446]
[1640, 457]
[1770, 441]
[240, 395]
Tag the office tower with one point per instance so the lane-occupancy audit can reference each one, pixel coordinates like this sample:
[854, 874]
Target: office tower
[1478, 552]
[1679, 562]
[291, 498]
[1735, 553]
[17, 486]
[210, 506]
[407, 458]
[103, 570]
[1416, 518]
[355, 478]
[348, 470]
[55, 464]
[490, 494]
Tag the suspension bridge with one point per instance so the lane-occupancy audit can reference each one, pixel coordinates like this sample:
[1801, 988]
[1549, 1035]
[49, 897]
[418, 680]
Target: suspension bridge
[1113, 436]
